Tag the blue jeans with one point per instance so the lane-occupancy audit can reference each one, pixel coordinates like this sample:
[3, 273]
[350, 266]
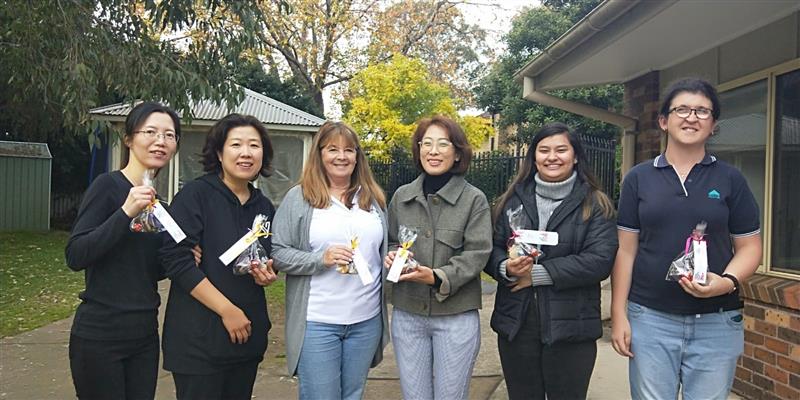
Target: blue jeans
[698, 352]
[335, 359]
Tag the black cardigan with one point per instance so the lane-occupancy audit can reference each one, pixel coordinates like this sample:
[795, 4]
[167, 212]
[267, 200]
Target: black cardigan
[121, 267]
[194, 339]
[570, 308]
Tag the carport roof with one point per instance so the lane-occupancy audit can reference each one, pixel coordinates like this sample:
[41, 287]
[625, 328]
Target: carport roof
[623, 39]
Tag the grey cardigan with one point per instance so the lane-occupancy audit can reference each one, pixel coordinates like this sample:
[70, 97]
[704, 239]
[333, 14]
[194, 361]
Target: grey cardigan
[454, 238]
[292, 254]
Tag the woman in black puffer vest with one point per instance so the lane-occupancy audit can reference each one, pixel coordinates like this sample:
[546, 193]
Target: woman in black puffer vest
[547, 309]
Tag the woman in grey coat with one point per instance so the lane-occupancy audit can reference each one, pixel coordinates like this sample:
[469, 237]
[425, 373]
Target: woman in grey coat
[330, 237]
[435, 323]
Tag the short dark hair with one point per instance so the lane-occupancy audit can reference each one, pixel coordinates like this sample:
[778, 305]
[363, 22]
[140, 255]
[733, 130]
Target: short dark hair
[455, 134]
[137, 117]
[215, 141]
[690, 85]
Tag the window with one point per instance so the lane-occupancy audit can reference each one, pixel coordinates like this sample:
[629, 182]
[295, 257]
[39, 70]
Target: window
[742, 134]
[785, 254]
[286, 167]
[189, 159]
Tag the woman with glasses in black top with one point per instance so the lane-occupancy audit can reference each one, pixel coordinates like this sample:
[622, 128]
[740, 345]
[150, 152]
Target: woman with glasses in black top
[113, 347]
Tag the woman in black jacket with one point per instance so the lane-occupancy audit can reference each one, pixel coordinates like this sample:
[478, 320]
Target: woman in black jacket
[547, 308]
[113, 345]
[216, 323]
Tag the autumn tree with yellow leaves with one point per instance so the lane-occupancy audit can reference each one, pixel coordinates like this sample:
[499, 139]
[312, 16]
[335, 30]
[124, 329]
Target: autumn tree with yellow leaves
[384, 102]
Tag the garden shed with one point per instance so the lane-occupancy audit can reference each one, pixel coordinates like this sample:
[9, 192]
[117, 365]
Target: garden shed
[291, 131]
[24, 186]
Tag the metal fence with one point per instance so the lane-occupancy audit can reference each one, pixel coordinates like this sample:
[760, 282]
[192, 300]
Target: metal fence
[493, 171]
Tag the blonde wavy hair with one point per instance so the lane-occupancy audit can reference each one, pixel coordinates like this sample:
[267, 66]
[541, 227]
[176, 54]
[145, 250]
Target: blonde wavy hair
[315, 183]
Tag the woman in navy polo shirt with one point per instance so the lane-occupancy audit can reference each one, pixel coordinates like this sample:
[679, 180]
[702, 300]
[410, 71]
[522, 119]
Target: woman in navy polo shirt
[683, 334]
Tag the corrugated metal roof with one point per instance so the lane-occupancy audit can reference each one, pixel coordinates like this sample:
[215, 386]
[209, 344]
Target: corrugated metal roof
[24, 149]
[266, 109]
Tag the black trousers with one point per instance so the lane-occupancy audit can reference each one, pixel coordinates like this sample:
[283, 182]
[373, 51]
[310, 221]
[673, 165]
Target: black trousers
[114, 369]
[234, 383]
[532, 370]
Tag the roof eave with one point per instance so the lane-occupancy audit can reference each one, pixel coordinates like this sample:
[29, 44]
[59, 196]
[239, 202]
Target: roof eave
[593, 23]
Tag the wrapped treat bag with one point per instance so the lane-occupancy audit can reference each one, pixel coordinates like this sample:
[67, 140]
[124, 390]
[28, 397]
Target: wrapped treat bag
[349, 268]
[692, 263]
[146, 221]
[517, 247]
[248, 251]
[154, 218]
[403, 262]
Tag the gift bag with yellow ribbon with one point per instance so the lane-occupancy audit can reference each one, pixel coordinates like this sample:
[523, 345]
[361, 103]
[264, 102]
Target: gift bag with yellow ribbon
[146, 221]
[255, 256]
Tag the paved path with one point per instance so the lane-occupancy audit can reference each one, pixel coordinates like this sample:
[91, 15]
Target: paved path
[34, 365]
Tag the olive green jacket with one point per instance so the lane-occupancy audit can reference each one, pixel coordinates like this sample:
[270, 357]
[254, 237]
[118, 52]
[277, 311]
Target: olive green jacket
[454, 238]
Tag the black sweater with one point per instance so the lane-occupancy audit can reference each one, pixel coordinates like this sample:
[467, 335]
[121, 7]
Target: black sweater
[194, 339]
[121, 267]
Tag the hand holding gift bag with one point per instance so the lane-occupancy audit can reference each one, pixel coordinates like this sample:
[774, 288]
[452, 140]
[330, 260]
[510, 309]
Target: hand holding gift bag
[516, 246]
[403, 262]
[248, 251]
[154, 218]
[693, 261]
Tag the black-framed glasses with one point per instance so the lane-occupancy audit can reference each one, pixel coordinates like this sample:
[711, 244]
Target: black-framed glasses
[685, 112]
[168, 136]
[442, 145]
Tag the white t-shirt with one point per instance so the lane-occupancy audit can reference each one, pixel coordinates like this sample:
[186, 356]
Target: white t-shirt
[338, 298]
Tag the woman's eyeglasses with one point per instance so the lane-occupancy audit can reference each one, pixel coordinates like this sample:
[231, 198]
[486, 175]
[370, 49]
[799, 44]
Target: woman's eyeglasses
[168, 136]
[685, 112]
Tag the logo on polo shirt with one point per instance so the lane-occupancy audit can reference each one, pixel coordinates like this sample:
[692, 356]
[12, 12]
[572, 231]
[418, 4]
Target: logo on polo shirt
[713, 194]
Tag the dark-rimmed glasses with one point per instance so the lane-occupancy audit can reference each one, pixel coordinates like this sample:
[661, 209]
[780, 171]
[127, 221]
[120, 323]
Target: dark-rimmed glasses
[685, 112]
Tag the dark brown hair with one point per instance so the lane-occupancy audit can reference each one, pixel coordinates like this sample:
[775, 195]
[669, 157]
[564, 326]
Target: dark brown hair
[455, 134]
[315, 183]
[137, 117]
[215, 141]
[528, 170]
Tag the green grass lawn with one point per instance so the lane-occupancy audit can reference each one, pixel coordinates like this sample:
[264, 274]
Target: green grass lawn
[36, 287]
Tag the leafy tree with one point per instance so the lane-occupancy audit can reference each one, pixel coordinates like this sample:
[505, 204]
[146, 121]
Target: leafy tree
[62, 56]
[251, 74]
[436, 33]
[324, 43]
[384, 101]
[533, 29]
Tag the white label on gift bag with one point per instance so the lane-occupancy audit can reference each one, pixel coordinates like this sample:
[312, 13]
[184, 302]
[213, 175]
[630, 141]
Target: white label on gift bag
[169, 224]
[537, 237]
[362, 267]
[700, 261]
[237, 248]
[399, 262]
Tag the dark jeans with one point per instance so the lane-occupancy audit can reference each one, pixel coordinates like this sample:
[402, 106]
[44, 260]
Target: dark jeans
[234, 383]
[114, 369]
[532, 369]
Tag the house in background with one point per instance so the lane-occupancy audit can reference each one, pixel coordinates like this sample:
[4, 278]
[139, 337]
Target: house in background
[751, 51]
[290, 130]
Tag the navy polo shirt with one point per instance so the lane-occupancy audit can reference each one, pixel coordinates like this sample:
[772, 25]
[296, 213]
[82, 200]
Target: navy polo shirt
[654, 204]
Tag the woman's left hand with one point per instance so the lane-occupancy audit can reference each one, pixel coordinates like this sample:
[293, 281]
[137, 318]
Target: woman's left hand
[264, 276]
[421, 274]
[715, 286]
[522, 282]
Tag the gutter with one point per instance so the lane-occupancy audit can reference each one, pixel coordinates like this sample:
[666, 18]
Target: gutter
[596, 21]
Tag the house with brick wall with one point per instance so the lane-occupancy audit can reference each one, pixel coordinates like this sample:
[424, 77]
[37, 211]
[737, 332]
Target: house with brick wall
[751, 51]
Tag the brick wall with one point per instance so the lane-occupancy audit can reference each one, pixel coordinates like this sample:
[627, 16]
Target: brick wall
[641, 100]
[770, 365]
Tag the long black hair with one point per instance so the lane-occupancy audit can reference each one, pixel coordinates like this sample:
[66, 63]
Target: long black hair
[528, 170]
